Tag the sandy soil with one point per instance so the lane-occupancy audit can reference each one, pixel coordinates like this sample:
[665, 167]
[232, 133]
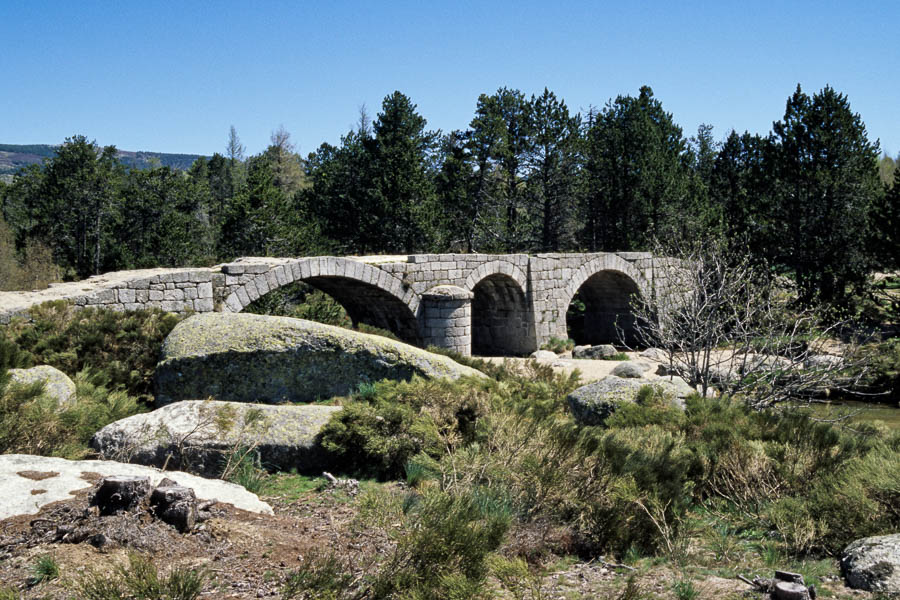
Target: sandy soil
[591, 370]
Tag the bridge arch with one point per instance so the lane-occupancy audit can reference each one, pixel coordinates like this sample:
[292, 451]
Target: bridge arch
[502, 321]
[605, 285]
[368, 294]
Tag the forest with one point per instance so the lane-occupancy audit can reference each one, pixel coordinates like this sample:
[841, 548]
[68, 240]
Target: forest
[813, 198]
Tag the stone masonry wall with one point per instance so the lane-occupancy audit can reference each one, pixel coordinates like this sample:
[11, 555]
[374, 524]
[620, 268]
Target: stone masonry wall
[396, 292]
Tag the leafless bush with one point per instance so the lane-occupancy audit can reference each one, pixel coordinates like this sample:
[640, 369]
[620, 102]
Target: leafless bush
[725, 323]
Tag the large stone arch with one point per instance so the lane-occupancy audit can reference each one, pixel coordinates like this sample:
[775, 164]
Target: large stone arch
[606, 285]
[370, 295]
[502, 319]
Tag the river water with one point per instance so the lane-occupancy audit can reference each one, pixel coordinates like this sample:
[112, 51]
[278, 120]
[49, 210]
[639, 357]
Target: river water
[862, 412]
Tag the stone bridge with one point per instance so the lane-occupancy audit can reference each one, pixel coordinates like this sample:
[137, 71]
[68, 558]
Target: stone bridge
[485, 304]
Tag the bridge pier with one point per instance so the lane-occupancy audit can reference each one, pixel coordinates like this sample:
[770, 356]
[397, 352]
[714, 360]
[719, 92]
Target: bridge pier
[447, 318]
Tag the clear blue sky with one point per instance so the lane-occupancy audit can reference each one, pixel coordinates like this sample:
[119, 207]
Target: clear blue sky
[173, 76]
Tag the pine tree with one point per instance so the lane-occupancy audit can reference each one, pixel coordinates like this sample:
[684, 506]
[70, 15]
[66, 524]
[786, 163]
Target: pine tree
[402, 185]
[827, 185]
[552, 157]
[637, 175]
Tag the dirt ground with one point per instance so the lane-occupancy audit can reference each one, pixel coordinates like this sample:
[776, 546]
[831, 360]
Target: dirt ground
[247, 555]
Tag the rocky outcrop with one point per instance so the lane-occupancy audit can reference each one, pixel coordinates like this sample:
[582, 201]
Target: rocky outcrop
[544, 355]
[592, 404]
[630, 370]
[198, 436]
[873, 564]
[57, 384]
[31, 482]
[264, 359]
[594, 352]
[656, 354]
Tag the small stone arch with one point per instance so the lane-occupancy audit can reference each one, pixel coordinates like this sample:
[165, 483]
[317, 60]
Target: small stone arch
[607, 284]
[495, 267]
[369, 294]
[502, 320]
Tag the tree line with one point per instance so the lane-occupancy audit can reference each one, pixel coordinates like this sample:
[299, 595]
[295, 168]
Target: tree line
[812, 198]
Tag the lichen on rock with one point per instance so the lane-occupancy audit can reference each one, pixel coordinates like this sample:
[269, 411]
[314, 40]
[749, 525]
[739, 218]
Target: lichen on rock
[271, 360]
[200, 436]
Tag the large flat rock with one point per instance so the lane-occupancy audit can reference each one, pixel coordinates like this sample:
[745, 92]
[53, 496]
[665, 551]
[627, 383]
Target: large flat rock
[242, 357]
[196, 436]
[31, 482]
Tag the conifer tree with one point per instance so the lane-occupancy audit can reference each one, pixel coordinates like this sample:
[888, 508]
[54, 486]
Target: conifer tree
[827, 186]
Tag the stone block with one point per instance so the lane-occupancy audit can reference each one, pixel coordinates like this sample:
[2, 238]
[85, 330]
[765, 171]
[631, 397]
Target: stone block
[181, 277]
[157, 286]
[172, 305]
[170, 285]
[233, 304]
[201, 276]
[190, 293]
[205, 290]
[242, 296]
[204, 305]
[155, 295]
[133, 306]
[281, 276]
[105, 296]
[251, 290]
[272, 280]
[140, 284]
[126, 296]
[262, 285]
[295, 270]
[142, 296]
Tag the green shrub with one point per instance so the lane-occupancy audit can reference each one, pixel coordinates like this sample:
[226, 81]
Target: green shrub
[322, 308]
[378, 432]
[652, 406]
[322, 574]
[9, 593]
[558, 345]
[443, 549]
[884, 369]
[123, 347]
[858, 500]
[31, 423]
[45, 568]
[139, 580]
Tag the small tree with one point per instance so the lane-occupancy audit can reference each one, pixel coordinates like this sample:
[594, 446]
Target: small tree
[725, 323]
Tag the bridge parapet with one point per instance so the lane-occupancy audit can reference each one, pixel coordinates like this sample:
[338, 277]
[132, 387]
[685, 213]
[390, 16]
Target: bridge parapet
[174, 290]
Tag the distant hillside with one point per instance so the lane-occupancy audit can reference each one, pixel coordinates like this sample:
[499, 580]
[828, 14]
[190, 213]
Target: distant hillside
[15, 156]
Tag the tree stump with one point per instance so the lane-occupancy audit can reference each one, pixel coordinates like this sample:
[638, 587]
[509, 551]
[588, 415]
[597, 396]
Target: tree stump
[119, 493]
[175, 504]
[790, 590]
